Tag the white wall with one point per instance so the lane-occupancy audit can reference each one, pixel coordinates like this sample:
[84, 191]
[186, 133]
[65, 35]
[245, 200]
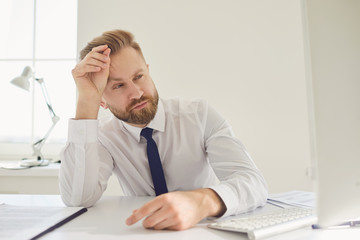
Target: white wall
[245, 57]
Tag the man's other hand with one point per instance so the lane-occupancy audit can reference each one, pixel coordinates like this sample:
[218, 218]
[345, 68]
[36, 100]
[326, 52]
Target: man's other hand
[178, 210]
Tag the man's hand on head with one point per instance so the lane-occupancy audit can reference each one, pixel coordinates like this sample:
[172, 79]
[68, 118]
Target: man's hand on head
[91, 75]
[178, 210]
[92, 72]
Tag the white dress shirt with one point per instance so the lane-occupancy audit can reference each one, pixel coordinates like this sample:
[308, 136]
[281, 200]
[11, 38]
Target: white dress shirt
[197, 149]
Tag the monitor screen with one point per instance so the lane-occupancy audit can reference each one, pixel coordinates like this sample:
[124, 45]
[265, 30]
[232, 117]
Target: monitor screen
[333, 67]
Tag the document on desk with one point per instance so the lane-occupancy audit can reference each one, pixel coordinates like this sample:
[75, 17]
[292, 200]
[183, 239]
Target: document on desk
[32, 222]
[294, 199]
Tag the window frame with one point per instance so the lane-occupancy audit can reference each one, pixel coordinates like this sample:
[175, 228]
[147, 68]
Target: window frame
[11, 150]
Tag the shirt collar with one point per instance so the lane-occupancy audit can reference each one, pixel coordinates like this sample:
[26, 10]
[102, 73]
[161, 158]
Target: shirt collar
[158, 123]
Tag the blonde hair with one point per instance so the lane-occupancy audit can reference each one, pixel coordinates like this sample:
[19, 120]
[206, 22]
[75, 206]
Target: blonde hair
[115, 40]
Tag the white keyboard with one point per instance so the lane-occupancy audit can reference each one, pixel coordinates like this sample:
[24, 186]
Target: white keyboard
[269, 224]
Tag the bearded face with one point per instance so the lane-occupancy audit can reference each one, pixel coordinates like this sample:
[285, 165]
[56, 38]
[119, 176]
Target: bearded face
[142, 116]
[130, 93]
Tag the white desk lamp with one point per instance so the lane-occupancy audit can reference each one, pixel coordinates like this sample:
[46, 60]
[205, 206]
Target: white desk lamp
[23, 82]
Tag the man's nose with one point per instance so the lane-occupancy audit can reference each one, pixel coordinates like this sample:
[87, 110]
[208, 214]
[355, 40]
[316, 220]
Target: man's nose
[135, 91]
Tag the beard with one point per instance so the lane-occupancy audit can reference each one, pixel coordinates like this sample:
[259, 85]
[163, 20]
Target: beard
[139, 117]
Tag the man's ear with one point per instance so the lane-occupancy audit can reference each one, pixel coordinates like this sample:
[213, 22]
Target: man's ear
[103, 103]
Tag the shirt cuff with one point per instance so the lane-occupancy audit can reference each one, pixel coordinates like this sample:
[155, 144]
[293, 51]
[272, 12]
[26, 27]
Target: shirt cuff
[83, 131]
[229, 198]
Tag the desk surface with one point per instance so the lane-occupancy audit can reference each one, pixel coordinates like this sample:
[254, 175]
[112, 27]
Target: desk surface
[51, 170]
[106, 220]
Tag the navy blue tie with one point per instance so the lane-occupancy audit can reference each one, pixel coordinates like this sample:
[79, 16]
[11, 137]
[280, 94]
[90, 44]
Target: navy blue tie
[156, 169]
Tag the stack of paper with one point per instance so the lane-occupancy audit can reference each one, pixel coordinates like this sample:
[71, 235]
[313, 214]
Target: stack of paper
[293, 199]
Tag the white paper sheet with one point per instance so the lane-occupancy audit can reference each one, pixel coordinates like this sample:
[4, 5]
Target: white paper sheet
[20, 222]
[294, 198]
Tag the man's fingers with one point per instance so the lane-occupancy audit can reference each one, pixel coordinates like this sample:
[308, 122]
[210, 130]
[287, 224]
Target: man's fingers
[96, 62]
[90, 65]
[159, 216]
[107, 52]
[162, 225]
[146, 210]
[81, 70]
[97, 56]
[91, 69]
[171, 219]
[167, 220]
[99, 48]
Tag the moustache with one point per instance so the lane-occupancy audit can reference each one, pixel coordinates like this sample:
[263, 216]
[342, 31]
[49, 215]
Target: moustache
[137, 101]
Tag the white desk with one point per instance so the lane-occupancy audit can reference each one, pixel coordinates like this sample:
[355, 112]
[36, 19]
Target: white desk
[106, 220]
[36, 180]
[40, 180]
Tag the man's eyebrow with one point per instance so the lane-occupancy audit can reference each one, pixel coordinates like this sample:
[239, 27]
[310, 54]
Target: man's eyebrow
[121, 79]
[115, 79]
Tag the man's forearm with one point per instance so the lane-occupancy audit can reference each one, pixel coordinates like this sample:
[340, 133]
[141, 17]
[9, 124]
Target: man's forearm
[87, 108]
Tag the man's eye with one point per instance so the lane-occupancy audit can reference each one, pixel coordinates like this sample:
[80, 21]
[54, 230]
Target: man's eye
[138, 76]
[118, 86]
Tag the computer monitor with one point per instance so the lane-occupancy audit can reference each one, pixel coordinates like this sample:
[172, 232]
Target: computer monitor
[333, 64]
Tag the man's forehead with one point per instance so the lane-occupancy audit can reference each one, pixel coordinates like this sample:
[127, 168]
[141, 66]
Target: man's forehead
[125, 64]
[118, 76]
[127, 54]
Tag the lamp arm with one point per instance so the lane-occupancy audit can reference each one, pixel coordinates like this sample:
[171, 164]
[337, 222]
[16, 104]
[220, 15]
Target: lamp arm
[46, 96]
[39, 144]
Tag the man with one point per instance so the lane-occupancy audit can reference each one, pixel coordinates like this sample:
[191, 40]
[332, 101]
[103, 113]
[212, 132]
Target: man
[151, 144]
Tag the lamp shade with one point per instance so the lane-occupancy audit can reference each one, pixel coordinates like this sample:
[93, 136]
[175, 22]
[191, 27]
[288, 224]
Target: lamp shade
[22, 81]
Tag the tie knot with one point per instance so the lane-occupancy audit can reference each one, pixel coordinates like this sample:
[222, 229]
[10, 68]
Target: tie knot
[147, 133]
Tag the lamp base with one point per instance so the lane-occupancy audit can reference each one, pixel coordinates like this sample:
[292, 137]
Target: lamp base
[23, 164]
[34, 163]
